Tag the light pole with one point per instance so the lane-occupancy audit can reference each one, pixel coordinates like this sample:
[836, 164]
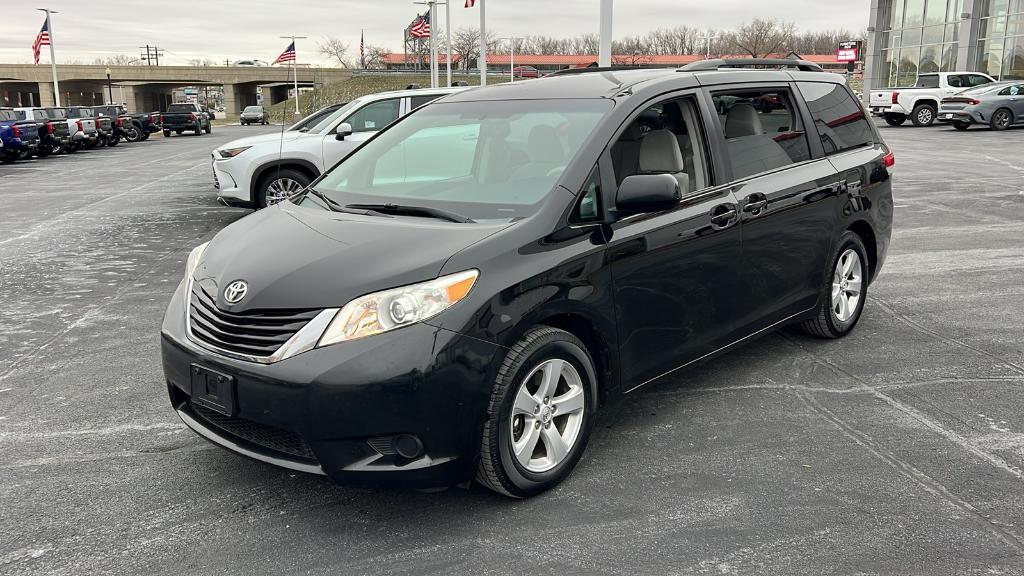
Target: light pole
[708, 40]
[110, 90]
[512, 57]
[605, 55]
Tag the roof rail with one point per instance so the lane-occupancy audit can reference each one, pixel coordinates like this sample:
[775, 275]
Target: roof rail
[705, 65]
[589, 69]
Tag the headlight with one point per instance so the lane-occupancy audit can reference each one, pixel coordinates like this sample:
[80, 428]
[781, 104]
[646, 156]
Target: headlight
[391, 309]
[232, 152]
[190, 267]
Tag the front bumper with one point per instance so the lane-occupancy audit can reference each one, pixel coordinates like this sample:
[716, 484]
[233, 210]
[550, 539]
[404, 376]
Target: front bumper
[336, 410]
[225, 182]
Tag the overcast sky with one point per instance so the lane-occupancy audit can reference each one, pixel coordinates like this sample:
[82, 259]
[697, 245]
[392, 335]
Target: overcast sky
[241, 29]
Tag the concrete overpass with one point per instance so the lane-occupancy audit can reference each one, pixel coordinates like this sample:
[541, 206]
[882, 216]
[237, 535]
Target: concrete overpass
[149, 88]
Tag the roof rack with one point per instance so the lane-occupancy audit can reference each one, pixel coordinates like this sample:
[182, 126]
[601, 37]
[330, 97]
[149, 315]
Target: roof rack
[589, 69]
[706, 65]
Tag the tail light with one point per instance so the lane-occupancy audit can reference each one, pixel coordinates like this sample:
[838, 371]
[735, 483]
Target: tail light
[17, 131]
[895, 97]
[191, 116]
[163, 118]
[890, 160]
[81, 127]
[50, 128]
[120, 122]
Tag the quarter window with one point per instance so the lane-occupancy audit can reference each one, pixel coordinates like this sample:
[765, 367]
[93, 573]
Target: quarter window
[588, 208]
[763, 131]
[418, 101]
[375, 116]
[840, 121]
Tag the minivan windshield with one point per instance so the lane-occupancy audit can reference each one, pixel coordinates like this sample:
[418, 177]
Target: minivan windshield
[491, 160]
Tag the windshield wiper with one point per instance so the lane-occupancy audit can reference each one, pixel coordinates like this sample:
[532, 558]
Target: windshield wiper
[333, 205]
[414, 211]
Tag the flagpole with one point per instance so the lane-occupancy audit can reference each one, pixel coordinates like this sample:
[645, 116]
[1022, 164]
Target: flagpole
[434, 80]
[483, 44]
[295, 70]
[605, 53]
[53, 62]
[448, 32]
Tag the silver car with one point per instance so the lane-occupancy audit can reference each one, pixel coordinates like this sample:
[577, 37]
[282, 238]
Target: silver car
[999, 105]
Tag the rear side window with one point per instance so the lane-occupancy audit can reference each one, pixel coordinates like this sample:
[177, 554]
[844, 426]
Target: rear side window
[1012, 91]
[928, 81]
[763, 131]
[977, 80]
[418, 101]
[840, 121]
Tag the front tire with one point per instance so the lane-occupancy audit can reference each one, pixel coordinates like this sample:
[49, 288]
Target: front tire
[1001, 120]
[895, 119]
[278, 186]
[540, 414]
[845, 290]
[923, 115]
[44, 151]
[113, 141]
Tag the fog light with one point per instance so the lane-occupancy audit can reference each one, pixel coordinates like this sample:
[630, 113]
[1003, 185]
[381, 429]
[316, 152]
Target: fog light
[407, 446]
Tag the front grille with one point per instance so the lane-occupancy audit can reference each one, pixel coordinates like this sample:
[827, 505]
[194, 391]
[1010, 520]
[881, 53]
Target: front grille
[271, 438]
[253, 333]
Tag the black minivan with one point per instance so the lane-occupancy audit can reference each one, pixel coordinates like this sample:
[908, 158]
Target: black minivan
[460, 296]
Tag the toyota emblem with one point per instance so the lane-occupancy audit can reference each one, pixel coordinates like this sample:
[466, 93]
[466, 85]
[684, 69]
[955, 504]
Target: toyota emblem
[235, 291]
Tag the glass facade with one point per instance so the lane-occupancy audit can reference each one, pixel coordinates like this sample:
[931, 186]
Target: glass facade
[1001, 43]
[922, 36]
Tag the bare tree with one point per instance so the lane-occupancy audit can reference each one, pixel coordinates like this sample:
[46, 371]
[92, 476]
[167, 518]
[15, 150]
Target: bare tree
[763, 37]
[466, 45]
[631, 51]
[118, 60]
[335, 50]
[376, 57]
[201, 62]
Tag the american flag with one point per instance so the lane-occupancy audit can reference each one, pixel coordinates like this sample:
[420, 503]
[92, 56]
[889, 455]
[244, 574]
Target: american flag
[43, 39]
[288, 55]
[421, 26]
[470, 3]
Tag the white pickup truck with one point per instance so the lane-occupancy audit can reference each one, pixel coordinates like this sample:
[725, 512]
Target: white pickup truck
[921, 101]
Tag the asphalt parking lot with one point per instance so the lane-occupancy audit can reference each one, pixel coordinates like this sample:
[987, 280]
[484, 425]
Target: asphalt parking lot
[898, 450]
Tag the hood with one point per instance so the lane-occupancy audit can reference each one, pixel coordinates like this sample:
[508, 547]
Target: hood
[261, 139]
[294, 257]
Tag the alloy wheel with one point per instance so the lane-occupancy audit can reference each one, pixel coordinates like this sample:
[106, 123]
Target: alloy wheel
[924, 115]
[281, 189]
[547, 415]
[1002, 119]
[847, 280]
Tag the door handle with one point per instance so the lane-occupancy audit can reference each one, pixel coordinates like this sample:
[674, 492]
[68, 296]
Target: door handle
[755, 203]
[724, 216]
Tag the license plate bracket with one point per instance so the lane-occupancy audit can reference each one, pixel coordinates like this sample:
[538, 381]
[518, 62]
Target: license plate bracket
[213, 390]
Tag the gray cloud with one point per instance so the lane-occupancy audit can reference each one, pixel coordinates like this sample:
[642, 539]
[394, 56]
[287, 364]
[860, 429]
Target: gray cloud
[235, 29]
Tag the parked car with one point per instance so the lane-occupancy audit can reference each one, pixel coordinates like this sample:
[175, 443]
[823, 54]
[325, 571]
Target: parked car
[105, 128]
[920, 102]
[185, 117]
[54, 135]
[20, 137]
[254, 115]
[313, 119]
[998, 105]
[76, 132]
[249, 63]
[459, 297]
[86, 135]
[526, 72]
[124, 127]
[261, 170]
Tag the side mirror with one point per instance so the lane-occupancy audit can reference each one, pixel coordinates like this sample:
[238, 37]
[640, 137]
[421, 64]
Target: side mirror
[344, 129]
[642, 193]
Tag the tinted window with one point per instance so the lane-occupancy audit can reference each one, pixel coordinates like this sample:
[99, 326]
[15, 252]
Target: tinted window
[253, 109]
[6, 116]
[955, 81]
[662, 139]
[179, 108]
[20, 115]
[839, 119]
[376, 116]
[762, 130]
[928, 81]
[1012, 91]
[977, 80]
[418, 101]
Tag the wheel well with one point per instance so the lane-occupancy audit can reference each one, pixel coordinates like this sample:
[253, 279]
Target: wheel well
[308, 171]
[867, 236]
[581, 328]
[931, 103]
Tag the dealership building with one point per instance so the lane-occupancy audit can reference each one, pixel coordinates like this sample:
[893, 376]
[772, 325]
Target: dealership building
[911, 37]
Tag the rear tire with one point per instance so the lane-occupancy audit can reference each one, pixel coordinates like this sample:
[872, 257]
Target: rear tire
[167, 133]
[277, 186]
[44, 151]
[544, 400]
[895, 119]
[209, 128]
[962, 126]
[923, 115]
[133, 133]
[1001, 120]
[844, 292]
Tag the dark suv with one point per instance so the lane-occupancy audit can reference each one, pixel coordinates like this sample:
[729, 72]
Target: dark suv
[460, 296]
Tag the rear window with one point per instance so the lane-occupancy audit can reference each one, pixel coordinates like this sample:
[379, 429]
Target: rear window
[56, 113]
[839, 119]
[20, 115]
[7, 116]
[928, 81]
[177, 108]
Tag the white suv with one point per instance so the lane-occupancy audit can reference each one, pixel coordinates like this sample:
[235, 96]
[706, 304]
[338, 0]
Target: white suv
[262, 170]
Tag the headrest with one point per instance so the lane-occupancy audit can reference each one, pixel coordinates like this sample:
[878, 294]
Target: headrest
[743, 120]
[544, 144]
[659, 153]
